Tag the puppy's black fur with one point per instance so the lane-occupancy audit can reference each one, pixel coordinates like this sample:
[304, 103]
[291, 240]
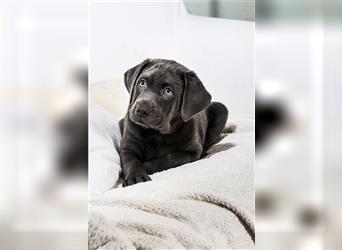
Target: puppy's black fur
[170, 119]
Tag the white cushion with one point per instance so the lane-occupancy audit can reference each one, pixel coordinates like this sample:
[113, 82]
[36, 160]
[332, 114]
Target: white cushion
[104, 141]
[111, 95]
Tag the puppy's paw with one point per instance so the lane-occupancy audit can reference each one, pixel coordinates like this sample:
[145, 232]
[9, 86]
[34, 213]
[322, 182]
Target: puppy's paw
[135, 178]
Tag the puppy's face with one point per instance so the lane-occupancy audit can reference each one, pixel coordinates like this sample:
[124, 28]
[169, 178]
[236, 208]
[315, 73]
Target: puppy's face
[159, 90]
[156, 96]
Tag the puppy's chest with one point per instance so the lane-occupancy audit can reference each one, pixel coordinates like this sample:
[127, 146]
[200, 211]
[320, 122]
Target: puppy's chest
[155, 146]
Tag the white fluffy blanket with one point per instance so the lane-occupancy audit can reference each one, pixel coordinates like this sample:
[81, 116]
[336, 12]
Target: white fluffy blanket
[208, 204]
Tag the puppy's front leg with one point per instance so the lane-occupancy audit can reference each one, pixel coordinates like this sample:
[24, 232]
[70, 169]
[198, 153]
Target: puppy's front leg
[132, 168]
[170, 160]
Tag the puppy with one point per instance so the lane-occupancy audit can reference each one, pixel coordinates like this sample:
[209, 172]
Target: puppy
[170, 119]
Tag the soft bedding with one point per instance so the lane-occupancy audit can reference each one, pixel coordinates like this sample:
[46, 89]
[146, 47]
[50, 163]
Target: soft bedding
[104, 159]
[207, 204]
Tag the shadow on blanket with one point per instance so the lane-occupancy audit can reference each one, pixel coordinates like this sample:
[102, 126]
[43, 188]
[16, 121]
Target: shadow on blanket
[219, 148]
[211, 199]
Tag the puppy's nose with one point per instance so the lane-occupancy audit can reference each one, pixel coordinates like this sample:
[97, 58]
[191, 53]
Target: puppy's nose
[143, 109]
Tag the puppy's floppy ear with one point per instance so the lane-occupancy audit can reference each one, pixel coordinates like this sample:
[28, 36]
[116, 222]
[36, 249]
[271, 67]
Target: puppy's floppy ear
[131, 76]
[195, 96]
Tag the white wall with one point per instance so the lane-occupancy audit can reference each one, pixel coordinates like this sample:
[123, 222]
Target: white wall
[221, 51]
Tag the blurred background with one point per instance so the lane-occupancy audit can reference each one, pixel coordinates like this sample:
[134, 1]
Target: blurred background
[234, 10]
[298, 124]
[43, 124]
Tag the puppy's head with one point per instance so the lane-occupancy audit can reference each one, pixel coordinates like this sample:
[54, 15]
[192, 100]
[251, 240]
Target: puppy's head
[163, 92]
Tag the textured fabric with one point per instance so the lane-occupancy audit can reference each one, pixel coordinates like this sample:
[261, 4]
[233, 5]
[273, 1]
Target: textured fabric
[207, 204]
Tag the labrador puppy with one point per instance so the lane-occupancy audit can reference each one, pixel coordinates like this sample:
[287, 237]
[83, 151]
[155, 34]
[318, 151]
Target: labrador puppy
[170, 119]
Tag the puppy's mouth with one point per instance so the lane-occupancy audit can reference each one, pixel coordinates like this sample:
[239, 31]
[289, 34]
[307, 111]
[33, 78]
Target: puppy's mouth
[153, 122]
[139, 121]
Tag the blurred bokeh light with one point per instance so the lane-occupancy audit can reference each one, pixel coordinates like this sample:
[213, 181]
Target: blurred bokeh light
[43, 124]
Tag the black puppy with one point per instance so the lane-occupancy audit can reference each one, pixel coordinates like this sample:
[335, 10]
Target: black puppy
[170, 120]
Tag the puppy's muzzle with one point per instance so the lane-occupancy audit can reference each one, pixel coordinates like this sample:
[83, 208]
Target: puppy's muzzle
[143, 108]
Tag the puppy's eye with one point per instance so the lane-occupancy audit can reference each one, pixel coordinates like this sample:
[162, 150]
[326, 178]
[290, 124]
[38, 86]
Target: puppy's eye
[142, 83]
[168, 91]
